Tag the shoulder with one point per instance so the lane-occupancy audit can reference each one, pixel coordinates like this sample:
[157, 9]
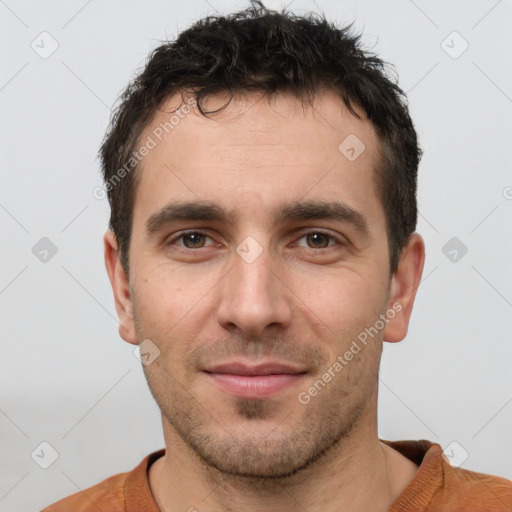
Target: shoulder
[118, 493]
[440, 487]
[477, 491]
[107, 496]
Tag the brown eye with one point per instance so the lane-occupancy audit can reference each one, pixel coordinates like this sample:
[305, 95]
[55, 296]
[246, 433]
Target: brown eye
[317, 240]
[193, 240]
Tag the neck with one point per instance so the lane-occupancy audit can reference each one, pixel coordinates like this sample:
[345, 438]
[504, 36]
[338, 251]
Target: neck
[358, 474]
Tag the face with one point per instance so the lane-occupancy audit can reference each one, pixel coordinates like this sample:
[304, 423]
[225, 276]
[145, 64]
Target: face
[258, 261]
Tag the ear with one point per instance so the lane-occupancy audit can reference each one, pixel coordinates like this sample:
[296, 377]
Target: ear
[404, 285]
[120, 287]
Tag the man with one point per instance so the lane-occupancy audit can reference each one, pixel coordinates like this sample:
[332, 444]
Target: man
[261, 172]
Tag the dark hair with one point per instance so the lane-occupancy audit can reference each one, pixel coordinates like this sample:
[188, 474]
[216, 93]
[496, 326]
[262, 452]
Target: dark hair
[271, 52]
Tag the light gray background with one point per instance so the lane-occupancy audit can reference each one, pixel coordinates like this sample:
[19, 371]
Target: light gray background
[68, 379]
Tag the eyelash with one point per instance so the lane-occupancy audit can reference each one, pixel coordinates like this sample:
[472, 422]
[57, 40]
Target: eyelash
[305, 234]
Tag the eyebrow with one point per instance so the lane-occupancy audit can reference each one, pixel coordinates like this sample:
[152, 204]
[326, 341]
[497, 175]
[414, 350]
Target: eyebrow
[183, 211]
[209, 212]
[321, 210]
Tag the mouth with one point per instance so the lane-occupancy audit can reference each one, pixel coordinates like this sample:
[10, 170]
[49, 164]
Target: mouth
[254, 381]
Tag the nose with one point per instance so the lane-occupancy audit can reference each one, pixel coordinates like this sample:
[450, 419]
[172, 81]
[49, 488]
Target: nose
[253, 298]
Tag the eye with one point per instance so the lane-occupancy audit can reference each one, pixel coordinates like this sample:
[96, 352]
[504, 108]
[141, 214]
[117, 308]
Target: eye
[191, 240]
[318, 240]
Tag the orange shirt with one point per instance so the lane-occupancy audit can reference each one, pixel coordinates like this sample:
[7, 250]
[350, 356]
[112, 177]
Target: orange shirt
[436, 487]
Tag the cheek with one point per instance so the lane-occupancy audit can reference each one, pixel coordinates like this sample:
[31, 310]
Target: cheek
[158, 308]
[346, 297]
[170, 310]
[165, 294]
[340, 309]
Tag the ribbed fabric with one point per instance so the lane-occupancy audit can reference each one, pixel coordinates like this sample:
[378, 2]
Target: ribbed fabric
[436, 487]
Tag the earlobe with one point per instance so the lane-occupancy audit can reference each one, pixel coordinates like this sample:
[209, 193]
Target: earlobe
[404, 286]
[121, 288]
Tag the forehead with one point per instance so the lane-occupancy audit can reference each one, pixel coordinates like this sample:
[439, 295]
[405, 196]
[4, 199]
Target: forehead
[257, 151]
[253, 122]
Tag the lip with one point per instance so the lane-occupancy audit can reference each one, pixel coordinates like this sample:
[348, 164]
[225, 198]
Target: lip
[254, 381]
[240, 368]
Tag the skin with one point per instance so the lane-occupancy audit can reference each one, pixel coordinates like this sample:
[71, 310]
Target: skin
[302, 301]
